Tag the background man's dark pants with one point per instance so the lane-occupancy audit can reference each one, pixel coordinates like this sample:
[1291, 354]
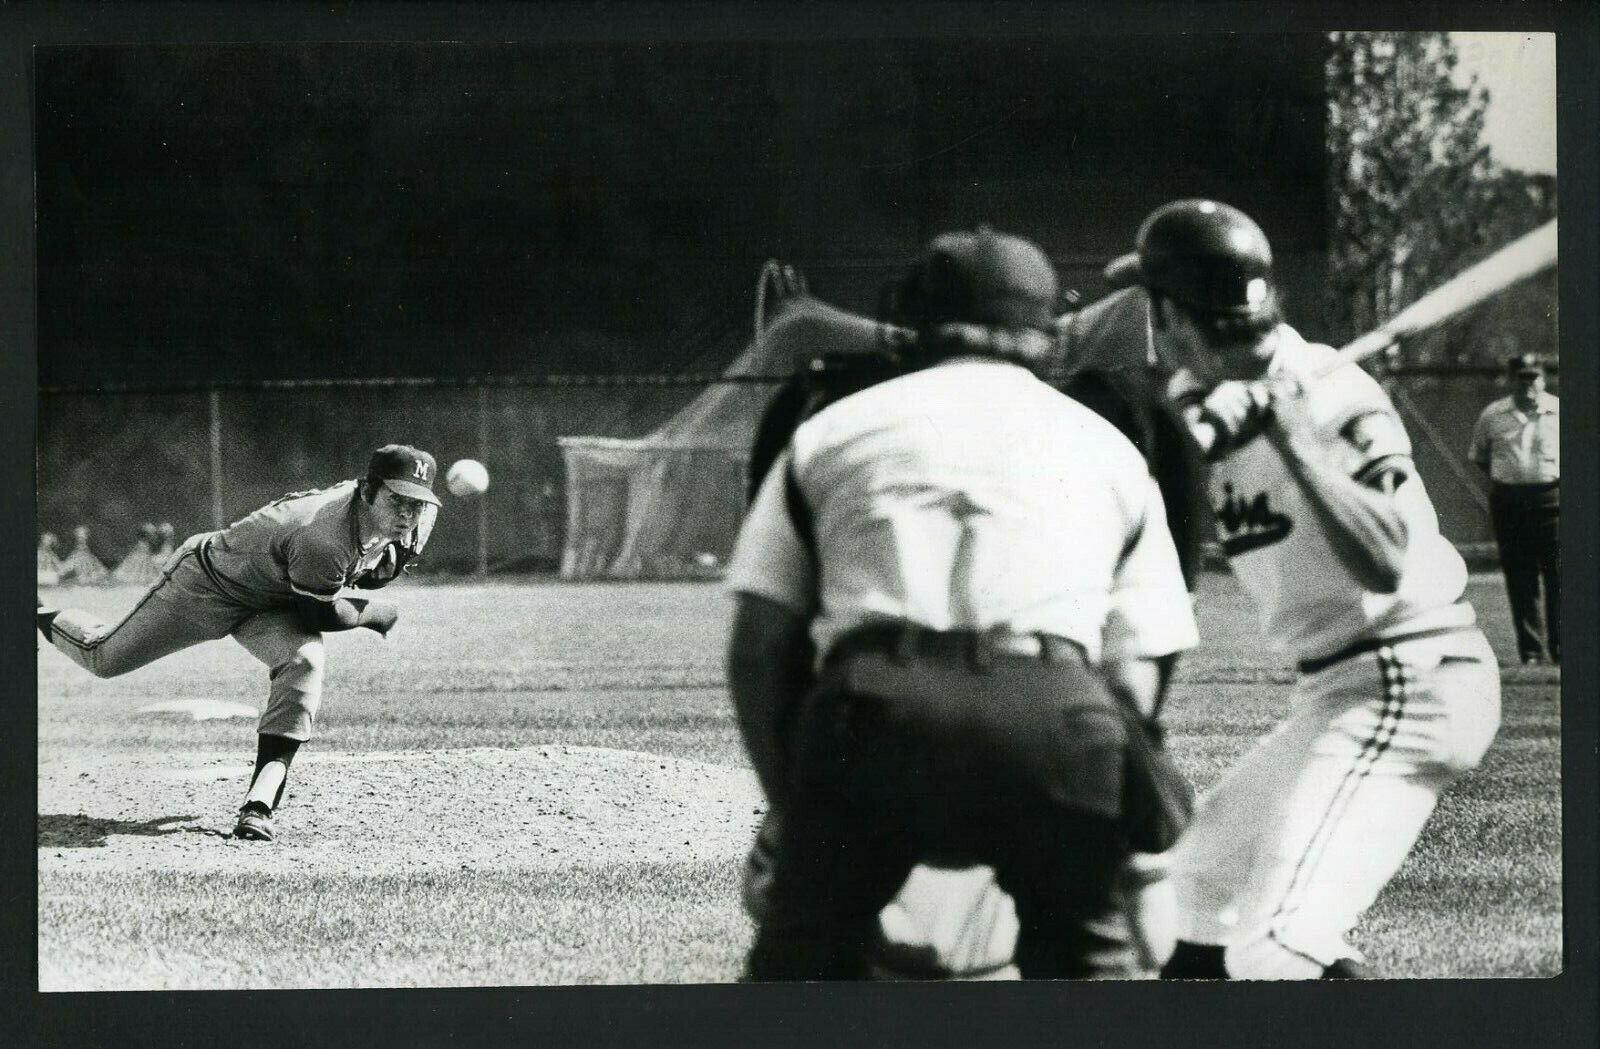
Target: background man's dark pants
[1527, 531]
[1019, 765]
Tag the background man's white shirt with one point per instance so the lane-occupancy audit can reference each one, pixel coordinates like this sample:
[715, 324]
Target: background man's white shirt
[1519, 447]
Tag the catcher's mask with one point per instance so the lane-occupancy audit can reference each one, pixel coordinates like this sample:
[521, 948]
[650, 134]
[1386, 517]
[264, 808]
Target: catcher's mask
[980, 292]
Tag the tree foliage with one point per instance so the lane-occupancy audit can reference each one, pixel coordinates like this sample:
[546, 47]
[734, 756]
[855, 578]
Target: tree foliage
[1416, 197]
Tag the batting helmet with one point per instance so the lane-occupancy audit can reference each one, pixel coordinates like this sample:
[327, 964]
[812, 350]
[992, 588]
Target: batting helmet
[1204, 255]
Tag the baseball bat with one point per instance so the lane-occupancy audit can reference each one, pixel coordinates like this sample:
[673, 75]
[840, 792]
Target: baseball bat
[1522, 258]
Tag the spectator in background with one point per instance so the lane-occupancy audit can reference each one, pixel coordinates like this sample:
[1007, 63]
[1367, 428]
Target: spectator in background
[49, 560]
[142, 563]
[81, 566]
[164, 549]
[1517, 442]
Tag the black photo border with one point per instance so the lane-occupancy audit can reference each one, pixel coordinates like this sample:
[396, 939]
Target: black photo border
[1552, 1012]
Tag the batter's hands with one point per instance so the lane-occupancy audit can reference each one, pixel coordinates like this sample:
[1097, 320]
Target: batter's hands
[1237, 411]
[1291, 412]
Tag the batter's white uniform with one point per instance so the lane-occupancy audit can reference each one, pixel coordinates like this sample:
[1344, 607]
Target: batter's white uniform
[1398, 695]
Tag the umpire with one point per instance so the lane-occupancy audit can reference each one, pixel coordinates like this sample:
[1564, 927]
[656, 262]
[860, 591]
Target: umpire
[984, 568]
[1517, 442]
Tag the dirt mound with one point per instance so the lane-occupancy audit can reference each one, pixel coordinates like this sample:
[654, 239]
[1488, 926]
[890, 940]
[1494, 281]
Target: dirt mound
[478, 808]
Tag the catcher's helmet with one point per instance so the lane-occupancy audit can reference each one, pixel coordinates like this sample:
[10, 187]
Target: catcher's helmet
[1204, 255]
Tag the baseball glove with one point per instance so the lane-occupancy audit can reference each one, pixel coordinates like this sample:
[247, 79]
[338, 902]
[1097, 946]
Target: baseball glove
[398, 557]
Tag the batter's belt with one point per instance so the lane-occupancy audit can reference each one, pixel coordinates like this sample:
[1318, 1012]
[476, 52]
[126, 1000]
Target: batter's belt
[1372, 644]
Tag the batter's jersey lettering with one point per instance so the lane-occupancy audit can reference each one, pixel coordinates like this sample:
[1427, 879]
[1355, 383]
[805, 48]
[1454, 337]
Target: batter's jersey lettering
[306, 544]
[1308, 600]
[969, 495]
[1248, 524]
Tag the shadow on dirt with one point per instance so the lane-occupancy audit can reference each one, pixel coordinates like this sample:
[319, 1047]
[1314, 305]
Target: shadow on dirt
[79, 831]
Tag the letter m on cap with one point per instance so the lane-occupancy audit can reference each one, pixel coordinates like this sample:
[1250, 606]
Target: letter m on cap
[419, 470]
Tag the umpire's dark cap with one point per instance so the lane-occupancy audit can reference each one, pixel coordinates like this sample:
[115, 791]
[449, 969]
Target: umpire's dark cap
[980, 277]
[1525, 364]
[405, 471]
[1204, 255]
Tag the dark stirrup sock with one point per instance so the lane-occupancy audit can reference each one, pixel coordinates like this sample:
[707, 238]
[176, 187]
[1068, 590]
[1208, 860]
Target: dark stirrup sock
[270, 748]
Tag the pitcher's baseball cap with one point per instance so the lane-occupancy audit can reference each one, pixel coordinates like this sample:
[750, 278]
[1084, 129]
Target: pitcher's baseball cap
[405, 470]
[1525, 364]
[1204, 255]
[980, 277]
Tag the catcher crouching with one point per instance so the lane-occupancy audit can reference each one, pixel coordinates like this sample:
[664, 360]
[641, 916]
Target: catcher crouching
[275, 581]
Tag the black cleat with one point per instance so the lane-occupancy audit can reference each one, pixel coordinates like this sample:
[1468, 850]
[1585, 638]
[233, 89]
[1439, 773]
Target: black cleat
[1345, 969]
[255, 822]
[1195, 961]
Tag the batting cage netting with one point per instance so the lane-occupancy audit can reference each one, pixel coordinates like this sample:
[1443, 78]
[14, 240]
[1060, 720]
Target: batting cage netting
[668, 505]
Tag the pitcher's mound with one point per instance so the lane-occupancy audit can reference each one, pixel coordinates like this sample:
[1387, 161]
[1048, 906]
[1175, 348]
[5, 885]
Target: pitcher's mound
[478, 808]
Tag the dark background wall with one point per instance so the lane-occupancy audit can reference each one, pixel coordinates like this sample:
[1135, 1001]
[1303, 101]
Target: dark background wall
[227, 214]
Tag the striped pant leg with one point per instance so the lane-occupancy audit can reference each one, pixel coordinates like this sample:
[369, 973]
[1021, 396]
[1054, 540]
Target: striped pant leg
[1233, 832]
[295, 657]
[1397, 729]
[176, 612]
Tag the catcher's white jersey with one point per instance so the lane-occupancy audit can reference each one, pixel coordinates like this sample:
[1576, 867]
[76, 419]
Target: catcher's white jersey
[1036, 515]
[1308, 601]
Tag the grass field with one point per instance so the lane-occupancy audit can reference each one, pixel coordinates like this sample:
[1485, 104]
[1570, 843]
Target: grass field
[533, 783]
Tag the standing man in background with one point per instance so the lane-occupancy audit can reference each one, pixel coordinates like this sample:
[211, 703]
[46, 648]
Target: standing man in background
[1517, 442]
[984, 567]
[273, 581]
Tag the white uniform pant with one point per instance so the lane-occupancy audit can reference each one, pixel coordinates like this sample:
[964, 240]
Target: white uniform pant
[183, 608]
[1297, 840]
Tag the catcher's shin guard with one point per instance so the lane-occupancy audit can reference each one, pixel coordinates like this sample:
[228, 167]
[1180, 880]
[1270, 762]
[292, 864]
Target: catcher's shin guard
[1150, 901]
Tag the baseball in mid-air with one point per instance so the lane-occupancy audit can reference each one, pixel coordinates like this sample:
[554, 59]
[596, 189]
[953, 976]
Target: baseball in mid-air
[467, 477]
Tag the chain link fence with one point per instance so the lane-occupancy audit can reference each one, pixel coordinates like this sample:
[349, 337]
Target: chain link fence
[201, 458]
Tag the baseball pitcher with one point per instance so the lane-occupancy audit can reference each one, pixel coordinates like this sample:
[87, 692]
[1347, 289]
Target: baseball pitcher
[275, 581]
